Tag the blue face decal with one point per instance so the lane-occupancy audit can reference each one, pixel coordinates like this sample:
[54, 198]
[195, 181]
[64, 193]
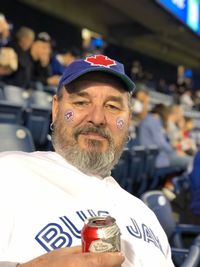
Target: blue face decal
[69, 115]
[120, 123]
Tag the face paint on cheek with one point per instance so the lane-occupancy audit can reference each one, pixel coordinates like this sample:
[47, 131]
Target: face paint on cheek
[120, 123]
[69, 115]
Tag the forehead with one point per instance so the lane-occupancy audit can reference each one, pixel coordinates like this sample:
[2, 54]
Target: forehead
[96, 79]
[40, 43]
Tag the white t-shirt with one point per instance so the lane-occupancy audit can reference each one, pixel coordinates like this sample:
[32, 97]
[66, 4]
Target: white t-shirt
[45, 200]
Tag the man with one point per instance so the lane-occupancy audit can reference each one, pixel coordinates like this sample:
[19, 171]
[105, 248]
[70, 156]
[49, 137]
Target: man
[4, 30]
[41, 52]
[175, 116]
[23, 42]
[46, 196]
[141, 102]
[151, 131]
[63, 59]
[67, 56]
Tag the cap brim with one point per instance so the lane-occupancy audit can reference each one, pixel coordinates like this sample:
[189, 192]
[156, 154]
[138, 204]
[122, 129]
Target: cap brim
[129, 84]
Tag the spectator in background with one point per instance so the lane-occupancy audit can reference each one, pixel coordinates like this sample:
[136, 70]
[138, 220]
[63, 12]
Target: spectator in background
[8, 57]
[151, 131]
[4, 31]
[175, 116]
[41, 52]
[186, 145]
[139, 108]
[173, 91]
[186, 99]
[140, 103]
[187, 202]
[178, 129]
[194, 177]
[63, 59]
[197, 99]
[162, 87]
[67, 56]
[23, 42]
[137, 71]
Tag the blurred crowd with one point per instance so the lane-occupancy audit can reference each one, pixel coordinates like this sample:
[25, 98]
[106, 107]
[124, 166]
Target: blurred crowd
[182, 90]
[163, 126]
[29, 60]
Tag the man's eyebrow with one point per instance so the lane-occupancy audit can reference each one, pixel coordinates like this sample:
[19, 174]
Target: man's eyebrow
[81, 93]
[117, 99]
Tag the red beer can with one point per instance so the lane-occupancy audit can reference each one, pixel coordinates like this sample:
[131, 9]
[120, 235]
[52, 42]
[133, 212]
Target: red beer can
[100, 234]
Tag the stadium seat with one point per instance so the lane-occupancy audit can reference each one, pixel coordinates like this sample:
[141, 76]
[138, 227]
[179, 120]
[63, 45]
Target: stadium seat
[133, 142]
[10, 112]
[38, 116]
[160, 205]
[15, 95]
[190, 257]
[121, 171]
[157, 98]
[40, 99]
[180, 183]
[163, 173]
[1, 93]
[137, 175]
[13, 101]
[130, 170]
[50, 89]
[149, 168]
[15, 137]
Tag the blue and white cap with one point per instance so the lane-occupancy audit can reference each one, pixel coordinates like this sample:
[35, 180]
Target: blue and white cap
[95, 63]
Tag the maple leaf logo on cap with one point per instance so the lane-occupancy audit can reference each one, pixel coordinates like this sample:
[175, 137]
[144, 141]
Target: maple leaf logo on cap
[100, 60]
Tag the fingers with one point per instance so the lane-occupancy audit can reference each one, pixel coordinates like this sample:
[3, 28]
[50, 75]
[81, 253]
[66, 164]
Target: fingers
[103, 259]
[71, 250]
[73, 257]
[65, 251]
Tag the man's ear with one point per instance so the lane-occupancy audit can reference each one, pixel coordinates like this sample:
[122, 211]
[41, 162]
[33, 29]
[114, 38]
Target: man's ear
[54, 107]
[130, 117]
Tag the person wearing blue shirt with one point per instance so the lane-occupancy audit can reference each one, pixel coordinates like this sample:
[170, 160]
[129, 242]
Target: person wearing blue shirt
[151, 132]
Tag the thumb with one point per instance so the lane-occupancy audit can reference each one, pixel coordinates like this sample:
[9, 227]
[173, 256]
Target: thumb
[66, 251]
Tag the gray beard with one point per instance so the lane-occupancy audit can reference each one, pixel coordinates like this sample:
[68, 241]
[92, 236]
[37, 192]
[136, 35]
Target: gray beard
[90, 162]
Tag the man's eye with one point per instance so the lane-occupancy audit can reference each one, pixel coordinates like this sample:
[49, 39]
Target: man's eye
[81, 103]
[113, 107]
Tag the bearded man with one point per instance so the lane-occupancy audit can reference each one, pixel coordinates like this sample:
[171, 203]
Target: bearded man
[46, 196]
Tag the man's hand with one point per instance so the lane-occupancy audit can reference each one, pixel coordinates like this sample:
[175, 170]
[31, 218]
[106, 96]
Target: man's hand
[53, 80]
[5, 70]
[4, 28]
[73, 257]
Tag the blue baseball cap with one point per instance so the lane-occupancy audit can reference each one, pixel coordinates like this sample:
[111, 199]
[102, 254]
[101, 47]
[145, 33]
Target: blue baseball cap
[95, 63]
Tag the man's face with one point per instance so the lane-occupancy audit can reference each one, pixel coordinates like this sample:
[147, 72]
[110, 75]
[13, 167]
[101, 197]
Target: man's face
[143, 97]
[27, 42]
[91, 122]
[41, 49]
[178, 112]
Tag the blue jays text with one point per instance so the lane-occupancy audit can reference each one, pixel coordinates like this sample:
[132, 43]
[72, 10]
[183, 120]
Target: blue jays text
[57, 235]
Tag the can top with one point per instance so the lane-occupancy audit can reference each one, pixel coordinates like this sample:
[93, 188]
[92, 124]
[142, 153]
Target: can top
[100, 221]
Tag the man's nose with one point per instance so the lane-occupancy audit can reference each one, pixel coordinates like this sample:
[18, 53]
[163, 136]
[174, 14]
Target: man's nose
[97, 116]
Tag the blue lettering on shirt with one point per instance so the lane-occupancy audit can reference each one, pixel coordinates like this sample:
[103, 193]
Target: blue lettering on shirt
[144, 232]
[58, 235]
[52, 236]
[134, 230]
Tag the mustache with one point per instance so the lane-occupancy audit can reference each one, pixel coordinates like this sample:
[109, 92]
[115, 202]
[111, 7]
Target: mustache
[91, 129]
